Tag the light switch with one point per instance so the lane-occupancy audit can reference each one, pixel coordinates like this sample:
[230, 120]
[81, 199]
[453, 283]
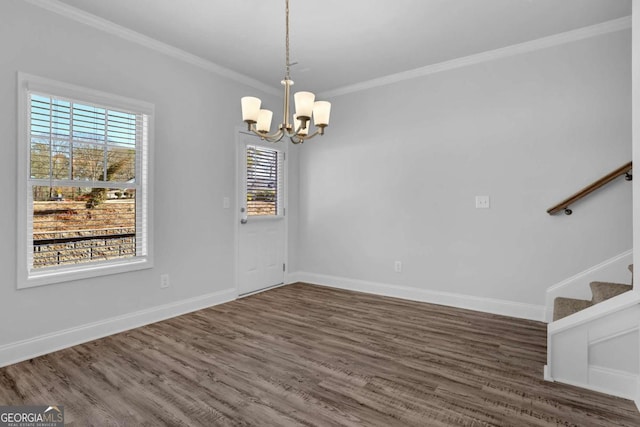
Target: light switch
[482, 202]
[226, 203]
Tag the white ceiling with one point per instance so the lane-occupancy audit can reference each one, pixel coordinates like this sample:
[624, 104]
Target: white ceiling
[342, 42]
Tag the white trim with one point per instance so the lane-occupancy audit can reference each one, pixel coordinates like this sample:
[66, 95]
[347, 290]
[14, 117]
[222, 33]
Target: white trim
[32, 83]
[38, 346]
[285, 201]
[548, 368]
[635, 94]
[292, 277]
[491, 55]
[235, 216]
[80, 271]
[101, 24]
[614, 269]
[589, 314]
[22, 167]
[617, 379]
[568, 352]
[470, 302]
[637, 398]
[612, 381]
[603, 335]
[583, 275]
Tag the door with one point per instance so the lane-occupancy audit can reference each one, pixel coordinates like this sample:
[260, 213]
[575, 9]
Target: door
[261, 220]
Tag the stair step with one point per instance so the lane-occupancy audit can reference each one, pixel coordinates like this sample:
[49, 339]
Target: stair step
[563, 307]
[602, 291]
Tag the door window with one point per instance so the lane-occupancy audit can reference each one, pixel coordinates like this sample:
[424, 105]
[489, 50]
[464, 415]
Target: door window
[264, 181]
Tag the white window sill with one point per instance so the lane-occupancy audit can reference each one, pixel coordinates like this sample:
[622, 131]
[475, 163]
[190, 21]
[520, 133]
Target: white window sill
[78, 272]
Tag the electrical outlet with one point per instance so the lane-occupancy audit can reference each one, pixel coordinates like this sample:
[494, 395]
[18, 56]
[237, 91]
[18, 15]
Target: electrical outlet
[398, 266]
[164, 281]
[482, 202]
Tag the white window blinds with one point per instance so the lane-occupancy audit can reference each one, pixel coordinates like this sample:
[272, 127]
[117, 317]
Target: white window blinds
[264, 180]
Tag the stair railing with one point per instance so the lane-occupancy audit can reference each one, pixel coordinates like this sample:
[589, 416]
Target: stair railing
[564, 205]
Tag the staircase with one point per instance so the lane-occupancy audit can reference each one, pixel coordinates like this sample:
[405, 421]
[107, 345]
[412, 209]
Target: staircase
[601, 291]
[595, 343]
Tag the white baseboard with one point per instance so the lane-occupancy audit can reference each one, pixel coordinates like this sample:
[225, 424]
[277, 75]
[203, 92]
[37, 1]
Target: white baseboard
[547, 374]
[614, 269]
[487, 305]
[613, 382]
[592, 387]
[293, 277]
[38, 346]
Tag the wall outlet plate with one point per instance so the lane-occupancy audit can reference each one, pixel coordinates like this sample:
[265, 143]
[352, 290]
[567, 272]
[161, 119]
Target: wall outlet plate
[164, 281]
[397, 266]
[482, 202]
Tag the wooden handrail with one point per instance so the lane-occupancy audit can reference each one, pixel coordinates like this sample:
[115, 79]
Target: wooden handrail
[564, 205]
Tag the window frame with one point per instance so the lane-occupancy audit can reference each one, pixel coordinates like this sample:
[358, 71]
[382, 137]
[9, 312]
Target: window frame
[27, 276]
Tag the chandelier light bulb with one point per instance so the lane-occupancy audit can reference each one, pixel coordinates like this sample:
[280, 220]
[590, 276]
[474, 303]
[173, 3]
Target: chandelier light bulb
[304, 104]
[264, 121]
[321, 113]
[250, 108]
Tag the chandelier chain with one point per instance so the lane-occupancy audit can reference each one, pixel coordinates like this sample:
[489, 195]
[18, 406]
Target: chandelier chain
[287, 63]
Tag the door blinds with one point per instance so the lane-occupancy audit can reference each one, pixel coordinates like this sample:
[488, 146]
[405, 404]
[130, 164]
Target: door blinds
[264, 181]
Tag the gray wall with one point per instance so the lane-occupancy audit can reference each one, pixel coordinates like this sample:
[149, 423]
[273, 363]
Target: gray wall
[196, 117]
[397, 176]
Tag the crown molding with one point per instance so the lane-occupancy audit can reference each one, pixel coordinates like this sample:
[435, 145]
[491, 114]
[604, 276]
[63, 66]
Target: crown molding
[491, 55]
[86, 18]
[101, 24]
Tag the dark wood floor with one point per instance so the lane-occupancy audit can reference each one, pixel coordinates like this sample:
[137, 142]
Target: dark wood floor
[308, 355]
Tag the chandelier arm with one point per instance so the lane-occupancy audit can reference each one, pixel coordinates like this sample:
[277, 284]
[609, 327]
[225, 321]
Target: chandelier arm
[317, 132]
[299, 139]
[274, 137]
[295, 132]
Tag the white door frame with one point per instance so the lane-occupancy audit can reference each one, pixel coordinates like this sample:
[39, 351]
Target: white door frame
[240, 135]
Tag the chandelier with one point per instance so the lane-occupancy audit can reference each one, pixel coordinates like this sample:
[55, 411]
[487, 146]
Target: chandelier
[259, 120]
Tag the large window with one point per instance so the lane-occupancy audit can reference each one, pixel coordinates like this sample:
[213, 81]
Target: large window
[84, 162]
